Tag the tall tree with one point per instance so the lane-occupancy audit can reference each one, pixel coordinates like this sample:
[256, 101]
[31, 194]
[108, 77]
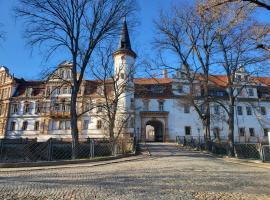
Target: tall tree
[236, 50]
[190, 35]
[76, 26]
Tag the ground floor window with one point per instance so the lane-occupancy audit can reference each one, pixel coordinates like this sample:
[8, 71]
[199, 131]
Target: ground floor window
[85, 124]
[24, 126]
[242, 131]
[36, 125]
[13, 126]
[251, 132]
[265, 132]
[187, 130]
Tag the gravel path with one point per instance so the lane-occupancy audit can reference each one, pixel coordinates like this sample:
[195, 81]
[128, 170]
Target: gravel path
[169, 173]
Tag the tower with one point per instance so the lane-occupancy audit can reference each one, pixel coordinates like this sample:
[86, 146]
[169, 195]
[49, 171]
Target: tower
[124, 60]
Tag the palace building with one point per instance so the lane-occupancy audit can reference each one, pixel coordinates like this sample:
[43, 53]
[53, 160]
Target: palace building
[158, 107]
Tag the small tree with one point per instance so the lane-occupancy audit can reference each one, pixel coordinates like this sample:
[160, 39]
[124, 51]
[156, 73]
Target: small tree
[77, 27]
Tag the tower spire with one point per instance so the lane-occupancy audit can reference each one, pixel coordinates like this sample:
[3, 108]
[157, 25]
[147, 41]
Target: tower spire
[124, 43]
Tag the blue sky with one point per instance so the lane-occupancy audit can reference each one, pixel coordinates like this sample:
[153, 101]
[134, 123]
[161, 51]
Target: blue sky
[24, 62]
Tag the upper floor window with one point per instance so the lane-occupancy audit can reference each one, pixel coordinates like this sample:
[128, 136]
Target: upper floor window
[14, 108]
[249, 111]
[99, 124]
[26, 108]
[99, 107]
[161, 105]
[239, 110]
[250, 92]
[145, 104]
[1, 109]
[68, 74]
[186, 109]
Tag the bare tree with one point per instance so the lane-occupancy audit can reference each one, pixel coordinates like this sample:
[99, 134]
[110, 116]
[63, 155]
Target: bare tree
[262, 4]
[190, 35]
[236, 51]
[246, 5]
[77, 27]
[113, 88]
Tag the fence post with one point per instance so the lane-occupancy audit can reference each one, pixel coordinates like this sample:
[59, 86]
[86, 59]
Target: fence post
[50, 149]
[91, 148]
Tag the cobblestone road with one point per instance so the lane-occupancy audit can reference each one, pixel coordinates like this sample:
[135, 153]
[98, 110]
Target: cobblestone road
[168, 174]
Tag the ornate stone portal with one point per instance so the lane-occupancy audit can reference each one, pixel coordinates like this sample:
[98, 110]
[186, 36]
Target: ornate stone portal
[155, 118]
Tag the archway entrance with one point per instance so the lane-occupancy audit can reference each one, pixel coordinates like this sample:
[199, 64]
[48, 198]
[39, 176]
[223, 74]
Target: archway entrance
[154, 131]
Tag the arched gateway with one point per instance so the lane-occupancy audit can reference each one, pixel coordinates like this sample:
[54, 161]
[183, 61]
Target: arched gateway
[154, 126]
[154, 131]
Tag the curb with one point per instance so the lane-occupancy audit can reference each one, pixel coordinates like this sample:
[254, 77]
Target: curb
[62, 162]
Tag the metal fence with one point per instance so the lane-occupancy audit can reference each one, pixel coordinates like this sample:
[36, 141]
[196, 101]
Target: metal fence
[265, 153]
[220, 146]
[30, 150]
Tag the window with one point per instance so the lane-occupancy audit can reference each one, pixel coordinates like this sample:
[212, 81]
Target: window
[242, 131]
[13, 126]
[180, 88]
[63, 74]
[249, 112]
[239, 110]
[1, 109]
[145, 104]
[186, 109]
[85, 124]
[38, 107]
[216, 109]
[36, 126]
[64, 90]
[99, 124]
[263, 111]
[250, 92]
[68, 74]
[265, 132]
[24, 126]
[239, 91]
[14, 108]
[26, 108]
[132, 105]
[187, 130]
[161, 105]
[68, 125]
[62, 125]
[251, 132]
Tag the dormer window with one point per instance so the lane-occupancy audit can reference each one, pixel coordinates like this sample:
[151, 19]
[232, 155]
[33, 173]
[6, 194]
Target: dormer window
[68, 74]
[63, 74]
[250, 92]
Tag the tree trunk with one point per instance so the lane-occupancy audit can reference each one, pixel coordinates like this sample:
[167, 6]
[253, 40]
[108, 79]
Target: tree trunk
[74, 124]
[231, 129]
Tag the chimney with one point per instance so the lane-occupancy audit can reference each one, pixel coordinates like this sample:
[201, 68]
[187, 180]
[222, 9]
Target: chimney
[165, 73]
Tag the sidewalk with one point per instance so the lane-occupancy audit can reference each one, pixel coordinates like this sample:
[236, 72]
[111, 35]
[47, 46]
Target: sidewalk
[248, 162]
[8, 167]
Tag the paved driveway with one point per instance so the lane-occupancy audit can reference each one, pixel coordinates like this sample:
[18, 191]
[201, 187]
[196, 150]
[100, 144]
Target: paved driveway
[169, 173]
